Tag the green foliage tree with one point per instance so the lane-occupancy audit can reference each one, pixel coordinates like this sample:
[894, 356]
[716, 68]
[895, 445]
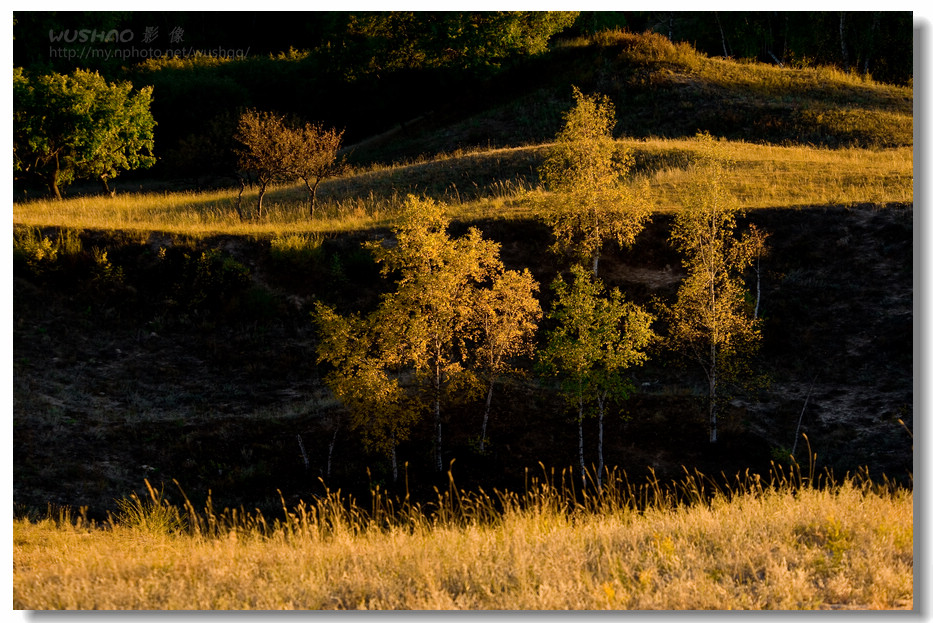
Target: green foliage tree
[710, 319]
[404, 40]
[75, 126]
[586, 169]
[595, 340]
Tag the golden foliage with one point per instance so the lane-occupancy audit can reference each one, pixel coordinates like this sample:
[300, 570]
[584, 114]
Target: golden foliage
[592, 201]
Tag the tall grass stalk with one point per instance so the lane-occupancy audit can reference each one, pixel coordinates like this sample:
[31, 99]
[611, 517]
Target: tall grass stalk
[785, 542]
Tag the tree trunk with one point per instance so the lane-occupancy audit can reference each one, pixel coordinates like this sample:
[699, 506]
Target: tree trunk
[53, 183]
[876, 15]
[595, 264]
[599, 452]
[757, 285]
[262, 192]
[53, 188]
[580, 439]
[842, 40]
[438, 452]
[722, 33]
[103, 180]
[312, 191]
[304, 455]
[330, 446]
[394, 463]
[482, 438]
[713, 432]
[239, 197]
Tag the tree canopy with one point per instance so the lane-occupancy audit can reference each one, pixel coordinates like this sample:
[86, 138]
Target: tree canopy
[454, 318]
[412, 40]
[273, 149]
[79, 126]
[592, 201]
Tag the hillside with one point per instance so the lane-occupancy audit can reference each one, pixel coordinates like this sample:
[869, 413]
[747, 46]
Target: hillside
[158, 335]
[660, 90]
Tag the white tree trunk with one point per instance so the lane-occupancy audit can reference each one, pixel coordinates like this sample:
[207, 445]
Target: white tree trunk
[713, 432]
[438, 461]
[580, 439]
[482, 438]
[599, 455]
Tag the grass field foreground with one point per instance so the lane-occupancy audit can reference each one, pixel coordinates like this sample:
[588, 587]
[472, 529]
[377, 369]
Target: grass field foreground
[489, 184]
[840, 546]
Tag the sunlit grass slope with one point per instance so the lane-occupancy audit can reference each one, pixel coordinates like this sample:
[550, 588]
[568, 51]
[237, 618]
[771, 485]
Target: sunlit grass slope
[751, 546]
[497, 183]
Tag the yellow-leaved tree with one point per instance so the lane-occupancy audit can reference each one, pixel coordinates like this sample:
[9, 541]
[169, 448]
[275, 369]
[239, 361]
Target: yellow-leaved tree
[455, 318]
[710, 320]
[361, 379]
[505, 316]
[591, 200]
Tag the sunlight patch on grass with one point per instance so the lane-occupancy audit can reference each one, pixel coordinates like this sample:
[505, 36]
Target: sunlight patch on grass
[489, 184]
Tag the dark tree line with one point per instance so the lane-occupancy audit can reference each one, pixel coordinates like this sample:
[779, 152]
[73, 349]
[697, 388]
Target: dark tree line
[331, 66]
[879, 42]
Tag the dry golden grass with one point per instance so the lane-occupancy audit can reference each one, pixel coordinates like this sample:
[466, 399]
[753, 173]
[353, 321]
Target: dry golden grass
[489, 184]
[768, 176]
[847, 545]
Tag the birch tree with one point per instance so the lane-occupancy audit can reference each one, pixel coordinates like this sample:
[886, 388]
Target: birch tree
[597, 338]
[425, 322]
[505, 319]
[591, 201]
[361, 379]
[453, 320]
[710, 321]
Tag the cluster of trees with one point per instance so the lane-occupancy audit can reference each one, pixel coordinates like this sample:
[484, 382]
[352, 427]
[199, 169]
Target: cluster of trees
[270, 149]
[452, 324]
[868, 42]
[329, 66]
[80, 126]
[457, 320]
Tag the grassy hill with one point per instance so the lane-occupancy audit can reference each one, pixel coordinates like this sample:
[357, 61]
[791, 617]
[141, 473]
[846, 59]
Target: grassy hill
[161, 335]
[661, 90]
